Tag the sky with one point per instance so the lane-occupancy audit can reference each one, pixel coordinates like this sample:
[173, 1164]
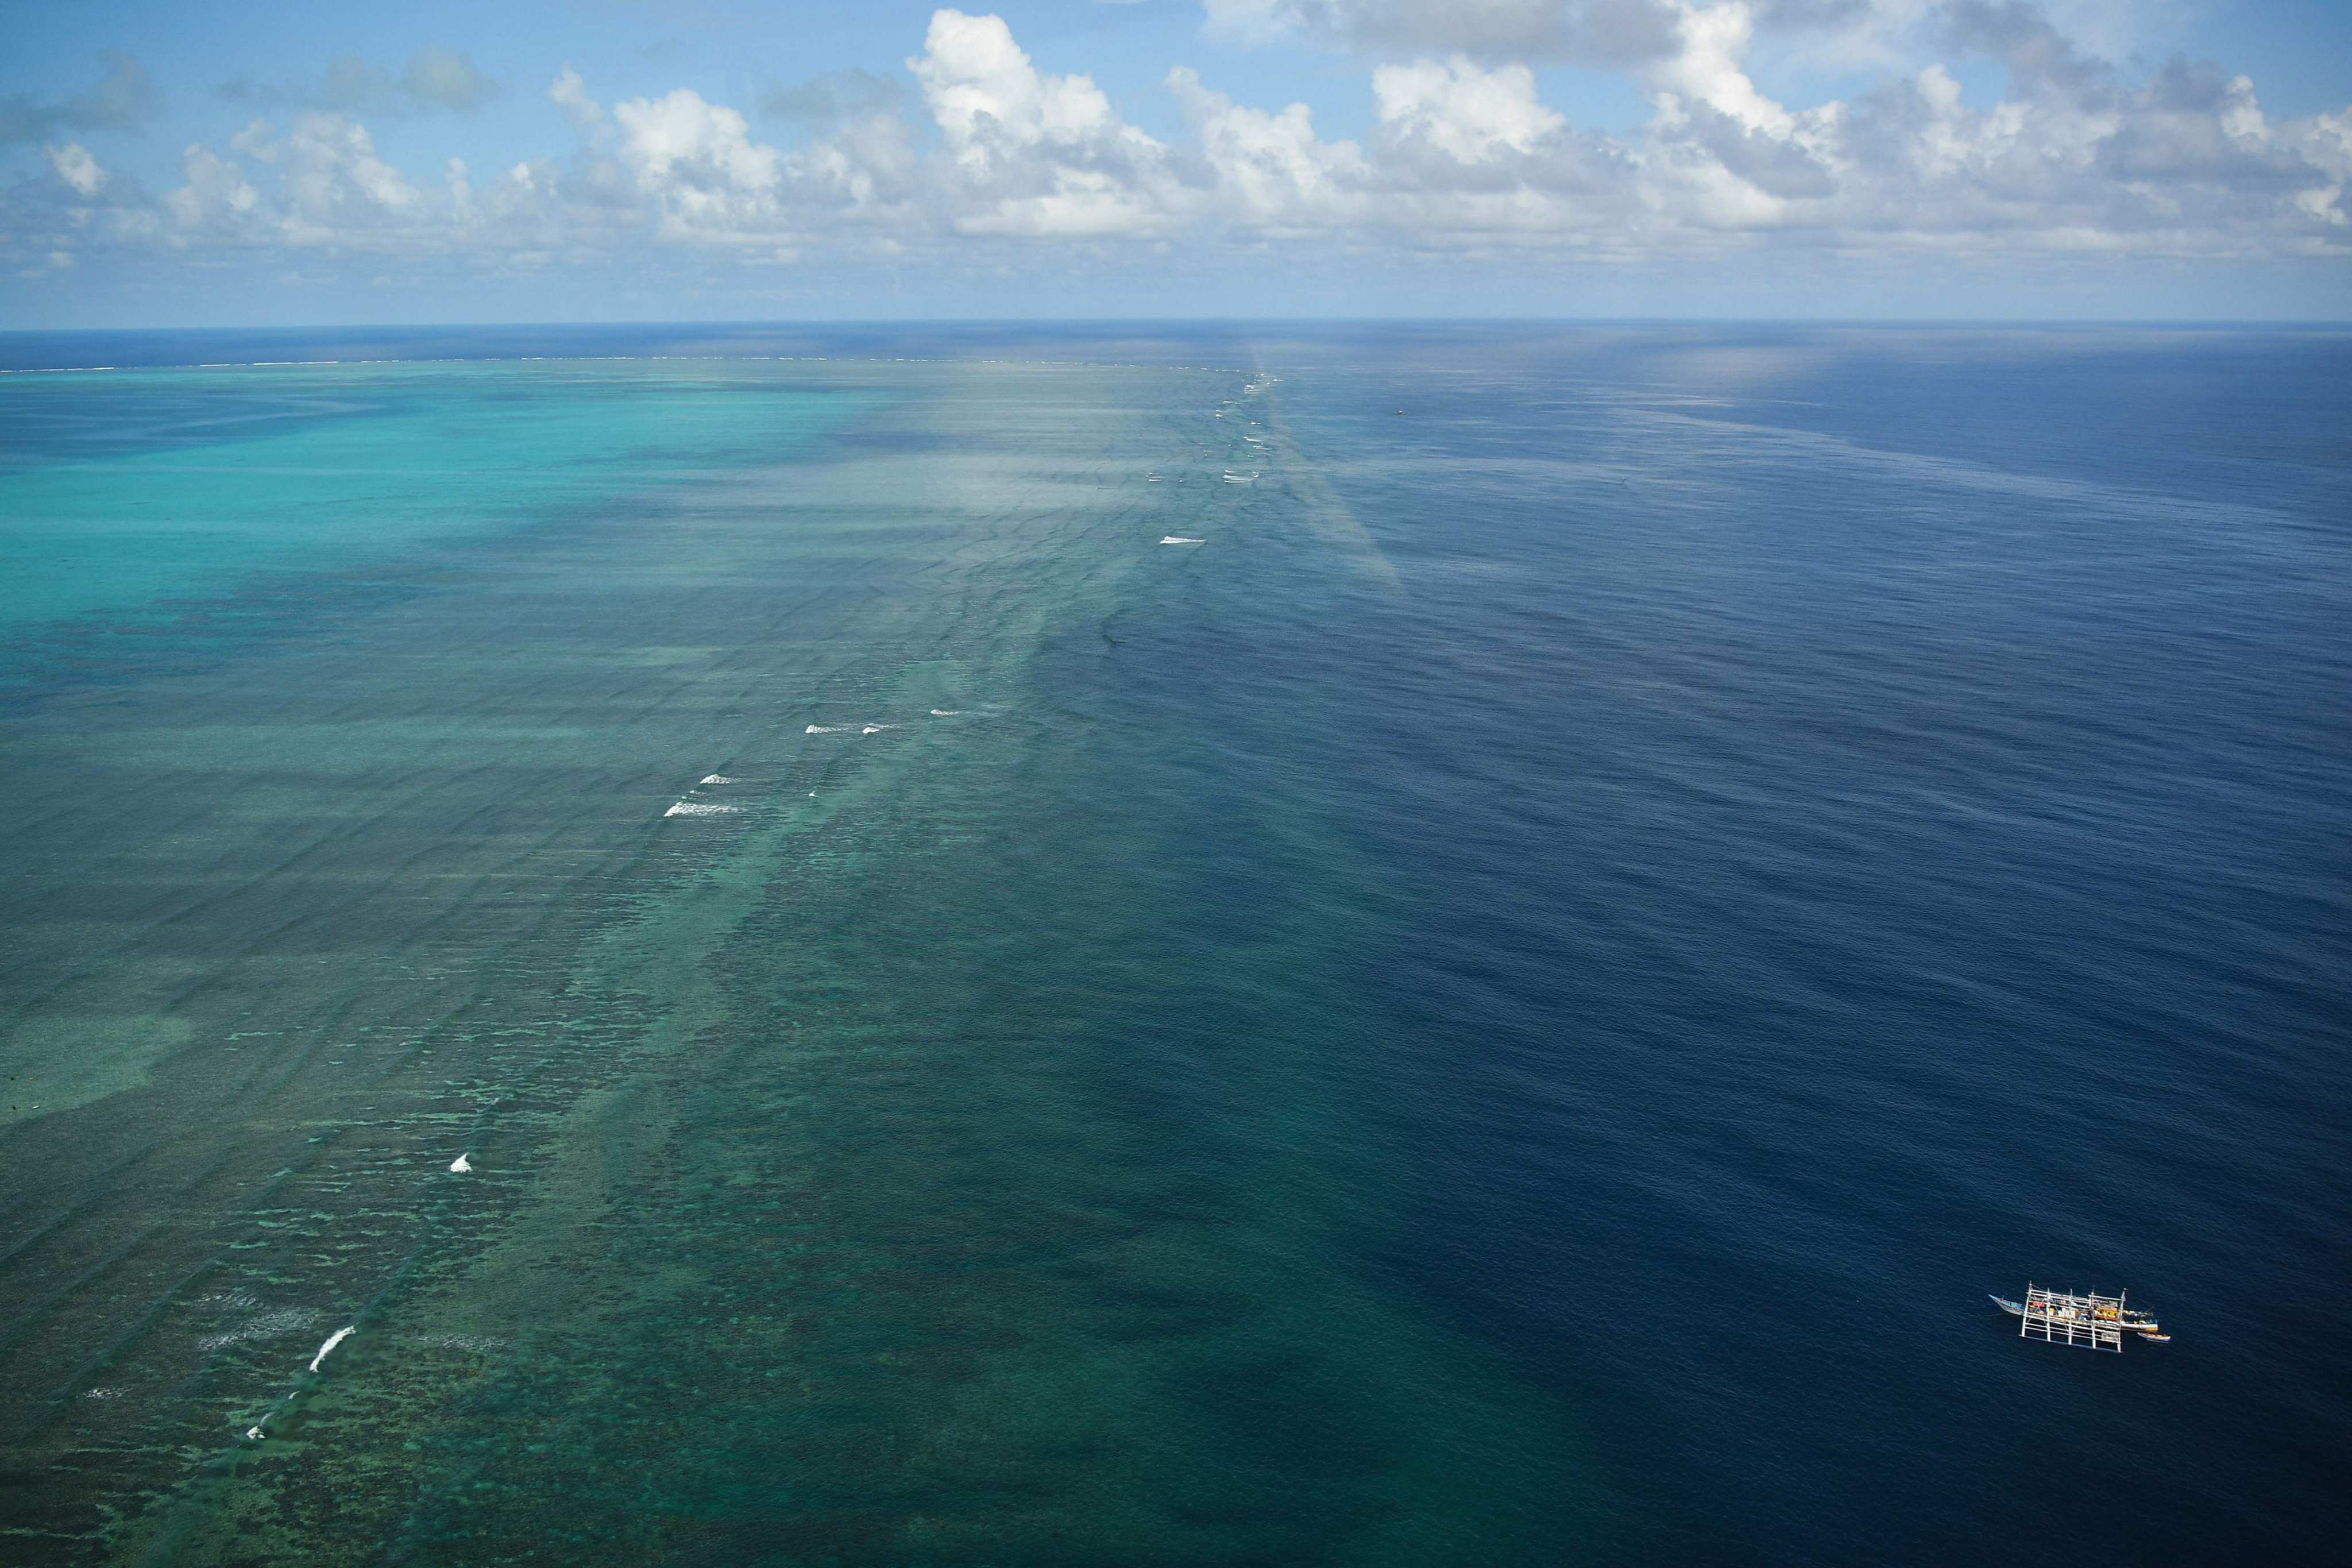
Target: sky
[257, 162]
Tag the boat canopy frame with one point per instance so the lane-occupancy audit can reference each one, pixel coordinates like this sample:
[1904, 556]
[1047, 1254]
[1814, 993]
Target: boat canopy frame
[2089, 1321]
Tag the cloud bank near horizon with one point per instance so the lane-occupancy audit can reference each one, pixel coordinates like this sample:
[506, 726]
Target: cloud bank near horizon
[979, 152]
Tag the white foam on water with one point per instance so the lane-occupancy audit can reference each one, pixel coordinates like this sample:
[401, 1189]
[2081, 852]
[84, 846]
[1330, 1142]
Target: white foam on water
[338, 1337]
[877, 729]
[699, 808]
[260, 1326]
[253, 1433]
[477, 1345]
[827, 729]
[461, 1164]
[102, 1393]
[719, 778]
[945, 712]
[1180, 538]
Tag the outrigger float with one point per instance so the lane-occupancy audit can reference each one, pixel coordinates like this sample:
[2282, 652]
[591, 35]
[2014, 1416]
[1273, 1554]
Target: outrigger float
[2091, 1321]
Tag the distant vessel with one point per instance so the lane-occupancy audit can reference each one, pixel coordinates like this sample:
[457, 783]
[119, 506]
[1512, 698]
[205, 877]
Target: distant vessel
[2091, 1321]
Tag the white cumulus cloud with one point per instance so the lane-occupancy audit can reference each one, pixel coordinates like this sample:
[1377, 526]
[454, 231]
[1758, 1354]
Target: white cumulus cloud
[1031, 153]
[697, 162]
[1466, 114]
[76, 167]
[979, 151]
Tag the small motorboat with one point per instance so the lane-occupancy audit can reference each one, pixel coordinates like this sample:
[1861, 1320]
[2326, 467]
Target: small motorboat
[2155, 1339]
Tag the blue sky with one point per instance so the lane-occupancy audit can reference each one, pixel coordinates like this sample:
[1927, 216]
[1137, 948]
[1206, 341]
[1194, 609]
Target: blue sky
[707, 158]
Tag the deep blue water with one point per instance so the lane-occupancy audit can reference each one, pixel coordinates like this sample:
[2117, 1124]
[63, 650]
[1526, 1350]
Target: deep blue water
[1511, 1004]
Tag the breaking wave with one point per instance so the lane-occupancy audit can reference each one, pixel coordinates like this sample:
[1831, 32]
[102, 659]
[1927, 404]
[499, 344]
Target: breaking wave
[338, 1337]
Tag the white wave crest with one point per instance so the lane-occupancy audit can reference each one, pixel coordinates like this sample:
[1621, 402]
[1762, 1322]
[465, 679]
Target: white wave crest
[719, 778]
[338, 1337]
[1180, 538]
[946, 712]
[699, 808]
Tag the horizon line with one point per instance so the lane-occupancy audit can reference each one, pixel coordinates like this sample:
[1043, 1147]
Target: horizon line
[818, 322]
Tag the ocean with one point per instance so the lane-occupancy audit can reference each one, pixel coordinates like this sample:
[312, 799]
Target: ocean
[1180, 943]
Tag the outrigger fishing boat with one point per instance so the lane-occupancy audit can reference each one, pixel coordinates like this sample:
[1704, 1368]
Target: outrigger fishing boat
[2094, 1321]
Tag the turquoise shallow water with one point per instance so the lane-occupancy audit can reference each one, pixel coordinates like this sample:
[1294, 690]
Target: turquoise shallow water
[1507, 1005]
[138, 487]
[812, 1203]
